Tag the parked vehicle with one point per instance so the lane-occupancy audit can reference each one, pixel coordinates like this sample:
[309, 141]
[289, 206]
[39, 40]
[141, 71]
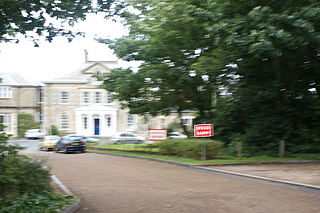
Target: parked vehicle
[85, 138]
[71, 144]
[176, 135]
[127, 138]
[34, 134]
[49, 142]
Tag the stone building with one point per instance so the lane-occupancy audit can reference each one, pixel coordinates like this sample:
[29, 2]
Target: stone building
[18, 96]
[76, 104]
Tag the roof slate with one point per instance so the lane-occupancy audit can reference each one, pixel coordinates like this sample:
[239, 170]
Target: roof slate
[15, 79]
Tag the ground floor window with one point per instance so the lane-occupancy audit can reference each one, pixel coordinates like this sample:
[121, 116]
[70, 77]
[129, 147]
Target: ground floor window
[84, 122]
[131, 121]
[108, 121]
[64, 121]
[5, 122]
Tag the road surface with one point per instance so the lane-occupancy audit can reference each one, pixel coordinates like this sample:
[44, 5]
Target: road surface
[112, 184]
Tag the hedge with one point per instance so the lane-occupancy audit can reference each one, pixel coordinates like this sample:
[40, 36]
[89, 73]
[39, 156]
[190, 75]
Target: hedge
[190, 148]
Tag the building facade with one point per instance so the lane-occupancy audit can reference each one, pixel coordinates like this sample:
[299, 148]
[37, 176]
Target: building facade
[18, 96]
[74, 104]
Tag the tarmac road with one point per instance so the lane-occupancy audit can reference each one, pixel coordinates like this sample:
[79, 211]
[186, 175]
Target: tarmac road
[112, 184]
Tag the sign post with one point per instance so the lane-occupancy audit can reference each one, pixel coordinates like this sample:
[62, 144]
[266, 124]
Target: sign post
[203, 130]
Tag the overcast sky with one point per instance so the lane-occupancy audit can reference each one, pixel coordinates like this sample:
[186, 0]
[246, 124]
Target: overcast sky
[55, 59]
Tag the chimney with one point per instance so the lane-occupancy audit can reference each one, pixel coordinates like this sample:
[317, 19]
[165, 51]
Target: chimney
[85, 55]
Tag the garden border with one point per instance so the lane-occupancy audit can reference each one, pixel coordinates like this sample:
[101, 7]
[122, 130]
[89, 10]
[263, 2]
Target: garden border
[75, 205]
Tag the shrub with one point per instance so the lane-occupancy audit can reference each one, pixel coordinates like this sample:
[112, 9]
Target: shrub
[25, 122]
[24, 184]
[191, 148]
[44, 202]
[54, 130]
[19, 174]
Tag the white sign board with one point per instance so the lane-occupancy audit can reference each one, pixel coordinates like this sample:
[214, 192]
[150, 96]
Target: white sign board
[157, 134]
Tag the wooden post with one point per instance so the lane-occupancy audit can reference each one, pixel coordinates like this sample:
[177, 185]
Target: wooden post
[239, 149]
[282, 146]
[203, 150]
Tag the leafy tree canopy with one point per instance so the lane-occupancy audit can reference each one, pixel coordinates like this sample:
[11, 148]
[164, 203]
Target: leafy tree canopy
[33, 18]
[254, 65]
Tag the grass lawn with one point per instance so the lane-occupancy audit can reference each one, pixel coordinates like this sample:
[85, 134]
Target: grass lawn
[121, 149]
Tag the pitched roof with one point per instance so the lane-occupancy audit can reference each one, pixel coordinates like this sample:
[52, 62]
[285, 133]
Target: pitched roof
[15, 79]
[66, 81]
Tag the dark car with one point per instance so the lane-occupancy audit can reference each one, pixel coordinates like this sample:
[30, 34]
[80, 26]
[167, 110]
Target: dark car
[71, 144]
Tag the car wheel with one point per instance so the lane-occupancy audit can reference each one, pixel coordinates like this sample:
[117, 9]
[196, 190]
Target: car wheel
[56, 150]
[64, 150]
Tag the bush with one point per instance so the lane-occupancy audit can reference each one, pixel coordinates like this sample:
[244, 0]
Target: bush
[44, 202]
[19, 174]
[24, 184]
[54, 130]
[25, 122]
[190, 148]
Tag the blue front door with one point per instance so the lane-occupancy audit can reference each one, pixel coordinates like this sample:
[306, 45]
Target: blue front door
[96, 126]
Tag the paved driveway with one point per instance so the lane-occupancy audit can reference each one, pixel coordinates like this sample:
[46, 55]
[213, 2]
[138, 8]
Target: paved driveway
[111, 184]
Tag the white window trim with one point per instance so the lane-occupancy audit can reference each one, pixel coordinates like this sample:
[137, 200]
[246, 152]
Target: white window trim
[85, 121]
[7, 122]
[131, 121]
[5, 92]
[67, 121]
[108, 97]
[98, 97]
[108, 120]
[61, 100]
[83, 98]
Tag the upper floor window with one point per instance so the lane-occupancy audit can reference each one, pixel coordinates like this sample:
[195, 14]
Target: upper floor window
[109, 98]
[98, 72]
[5, 92]
[64, 97]
[86, 97]
[97, 97]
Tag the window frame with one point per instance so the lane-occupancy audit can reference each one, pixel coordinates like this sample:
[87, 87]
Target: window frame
[98, 98]
[64, 121]
[64, 99]
[5, 92]
[86, 99]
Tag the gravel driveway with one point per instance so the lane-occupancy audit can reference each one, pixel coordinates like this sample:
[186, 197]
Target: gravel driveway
[112, 184]
[305, 173]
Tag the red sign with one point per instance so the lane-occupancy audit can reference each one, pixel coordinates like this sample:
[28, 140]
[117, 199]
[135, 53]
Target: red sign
[203, 130]
[157, 134]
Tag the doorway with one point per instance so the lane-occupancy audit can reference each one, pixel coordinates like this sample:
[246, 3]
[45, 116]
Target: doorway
[96, 126]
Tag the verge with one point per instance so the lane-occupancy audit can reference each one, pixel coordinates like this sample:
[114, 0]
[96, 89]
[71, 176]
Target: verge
[73, 206]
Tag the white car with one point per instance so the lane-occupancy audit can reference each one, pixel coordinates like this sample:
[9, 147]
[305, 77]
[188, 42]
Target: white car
[34, 134]
[177, 135]
[127, 138]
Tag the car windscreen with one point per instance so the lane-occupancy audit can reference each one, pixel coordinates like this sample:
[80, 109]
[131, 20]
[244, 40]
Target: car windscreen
[73, 138]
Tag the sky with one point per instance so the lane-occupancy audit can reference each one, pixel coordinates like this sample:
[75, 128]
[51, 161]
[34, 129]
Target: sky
[55, 59]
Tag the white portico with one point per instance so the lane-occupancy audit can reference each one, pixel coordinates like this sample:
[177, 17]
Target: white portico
[96, 120]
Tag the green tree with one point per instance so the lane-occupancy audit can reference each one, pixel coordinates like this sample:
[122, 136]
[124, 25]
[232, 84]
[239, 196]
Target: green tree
[252, 67]
[34, 17]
